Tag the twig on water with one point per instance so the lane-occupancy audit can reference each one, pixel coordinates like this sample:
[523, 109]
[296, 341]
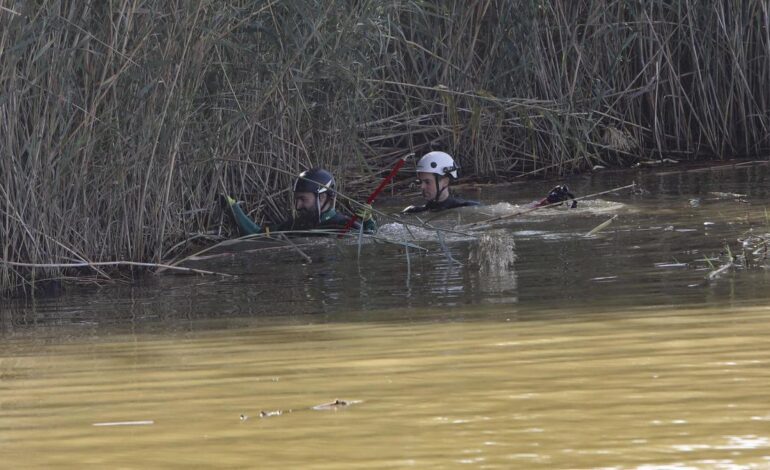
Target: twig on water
[110, 263]
[282, 237]
[714, 168]
[601, 226]
[146, 422]
[197, 255]
[718, 272]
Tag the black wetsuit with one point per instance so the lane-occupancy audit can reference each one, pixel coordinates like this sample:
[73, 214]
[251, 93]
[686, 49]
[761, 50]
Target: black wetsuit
[435, 206]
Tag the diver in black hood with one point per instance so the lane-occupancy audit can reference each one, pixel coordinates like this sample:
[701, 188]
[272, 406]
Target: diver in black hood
[314, 200]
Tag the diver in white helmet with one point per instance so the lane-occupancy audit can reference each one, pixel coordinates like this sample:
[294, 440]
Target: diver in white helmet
[434, 171]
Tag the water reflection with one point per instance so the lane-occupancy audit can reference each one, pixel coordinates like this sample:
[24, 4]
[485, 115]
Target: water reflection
[527, 345]
[653, 253]
[493, 255]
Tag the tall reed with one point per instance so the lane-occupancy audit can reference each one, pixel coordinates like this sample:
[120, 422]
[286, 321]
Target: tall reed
[122, 120]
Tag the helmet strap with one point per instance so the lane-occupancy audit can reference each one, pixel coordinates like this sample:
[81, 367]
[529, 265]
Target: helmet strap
[329, 200]
[439, 189]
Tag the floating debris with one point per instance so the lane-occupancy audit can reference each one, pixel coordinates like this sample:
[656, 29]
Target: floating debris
[334, 404]
[126, 423]
[727, 195]
[654, 162]
[719, 271]
[671, 265]
[270, 414]
[601, 226]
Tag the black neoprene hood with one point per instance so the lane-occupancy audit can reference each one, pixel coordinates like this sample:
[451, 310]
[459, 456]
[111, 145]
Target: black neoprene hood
[315, 180]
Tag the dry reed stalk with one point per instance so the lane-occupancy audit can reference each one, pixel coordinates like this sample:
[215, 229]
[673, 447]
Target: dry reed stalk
[110, 263]
[116, 116]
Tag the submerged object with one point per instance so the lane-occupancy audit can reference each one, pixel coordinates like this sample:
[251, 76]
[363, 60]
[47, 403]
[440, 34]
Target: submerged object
[559, 193]
[333, 405]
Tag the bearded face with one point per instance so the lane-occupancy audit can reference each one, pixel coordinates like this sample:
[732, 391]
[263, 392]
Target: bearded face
[308, 207]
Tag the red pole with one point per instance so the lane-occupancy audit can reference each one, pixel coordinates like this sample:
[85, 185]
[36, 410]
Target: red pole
[376, 192]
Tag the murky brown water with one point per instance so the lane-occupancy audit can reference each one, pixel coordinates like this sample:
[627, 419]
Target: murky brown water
[544, 349]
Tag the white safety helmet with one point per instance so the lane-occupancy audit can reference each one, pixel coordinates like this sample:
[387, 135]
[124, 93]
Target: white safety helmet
[439, 163]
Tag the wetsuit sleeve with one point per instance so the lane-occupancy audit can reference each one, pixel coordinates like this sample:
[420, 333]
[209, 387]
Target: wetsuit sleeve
[453, 202]
[246, 225]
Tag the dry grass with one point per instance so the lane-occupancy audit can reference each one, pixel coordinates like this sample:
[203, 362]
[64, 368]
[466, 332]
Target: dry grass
[122, 120]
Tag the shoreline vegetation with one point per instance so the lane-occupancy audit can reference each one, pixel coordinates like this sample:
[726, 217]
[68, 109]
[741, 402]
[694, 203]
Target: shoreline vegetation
[121, 121]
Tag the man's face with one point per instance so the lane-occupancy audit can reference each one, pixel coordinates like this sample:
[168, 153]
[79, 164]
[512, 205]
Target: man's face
[304, 202]
[428, 185]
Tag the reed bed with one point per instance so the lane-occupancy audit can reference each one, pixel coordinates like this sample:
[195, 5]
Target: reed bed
[121, 121]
